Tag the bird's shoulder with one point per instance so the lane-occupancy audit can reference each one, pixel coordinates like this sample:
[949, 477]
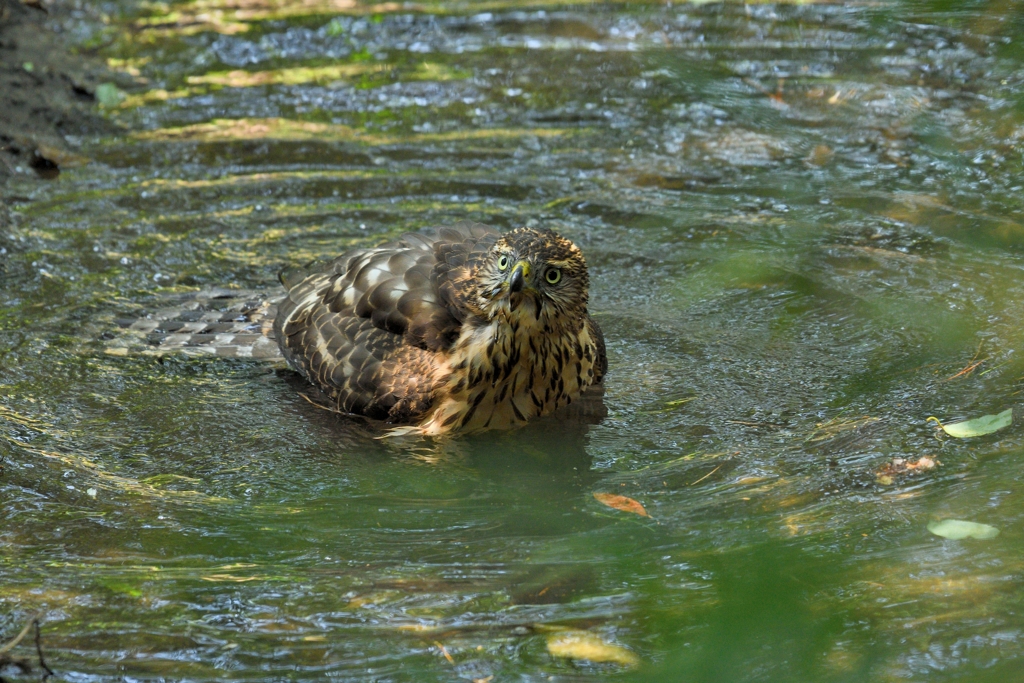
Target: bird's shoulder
[417, 287]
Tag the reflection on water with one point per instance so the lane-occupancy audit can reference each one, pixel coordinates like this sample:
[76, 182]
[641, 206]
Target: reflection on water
[804, 228]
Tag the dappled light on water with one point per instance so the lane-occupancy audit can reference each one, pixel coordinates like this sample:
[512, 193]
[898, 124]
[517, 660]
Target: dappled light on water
[803, 225]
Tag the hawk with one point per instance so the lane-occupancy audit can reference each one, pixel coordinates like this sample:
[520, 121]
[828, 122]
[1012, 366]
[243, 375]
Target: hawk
[457, 330]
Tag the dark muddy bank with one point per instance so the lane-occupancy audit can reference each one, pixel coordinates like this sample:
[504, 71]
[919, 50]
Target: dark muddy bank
[47, 93]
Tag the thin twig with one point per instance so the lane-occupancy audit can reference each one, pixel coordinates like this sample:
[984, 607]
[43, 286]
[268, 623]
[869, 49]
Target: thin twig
[321, 407]
[968, 370]
[982, 374]
[706, 475]
[445, 652]
[21, 663]
[758, 425]
[39, 651]
[17, 639]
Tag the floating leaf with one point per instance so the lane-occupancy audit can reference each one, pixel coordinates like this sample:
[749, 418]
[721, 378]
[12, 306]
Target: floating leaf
[923, 463]
[586, 645]
[899, 466]
[109, 95]
[957, 529]
[621, 503]
[979, 426]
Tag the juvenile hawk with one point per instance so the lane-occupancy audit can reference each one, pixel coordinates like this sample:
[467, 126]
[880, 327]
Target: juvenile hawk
[461, 329]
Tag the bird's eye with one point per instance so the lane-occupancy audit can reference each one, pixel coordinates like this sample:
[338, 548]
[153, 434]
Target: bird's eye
[503, 263]
[553, 276]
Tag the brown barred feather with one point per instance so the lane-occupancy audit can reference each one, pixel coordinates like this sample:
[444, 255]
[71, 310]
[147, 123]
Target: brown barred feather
[430, 332]
[227, 323]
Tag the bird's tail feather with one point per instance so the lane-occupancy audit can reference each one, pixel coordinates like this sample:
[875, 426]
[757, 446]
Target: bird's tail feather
[228, 323]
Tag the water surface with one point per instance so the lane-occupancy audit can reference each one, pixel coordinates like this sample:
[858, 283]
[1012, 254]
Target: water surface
[804, 229]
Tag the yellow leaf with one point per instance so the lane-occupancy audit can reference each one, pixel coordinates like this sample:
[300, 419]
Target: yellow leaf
[586, 645]
[621, 503]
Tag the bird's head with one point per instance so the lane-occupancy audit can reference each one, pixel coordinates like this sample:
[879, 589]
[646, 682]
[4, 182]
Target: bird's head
[533, 275]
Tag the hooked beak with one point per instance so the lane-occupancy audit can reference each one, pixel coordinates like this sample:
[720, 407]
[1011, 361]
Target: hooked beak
[517, 282]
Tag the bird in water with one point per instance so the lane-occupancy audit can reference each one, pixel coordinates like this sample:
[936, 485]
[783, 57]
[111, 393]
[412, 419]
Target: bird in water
[457, 329]
[460, 329]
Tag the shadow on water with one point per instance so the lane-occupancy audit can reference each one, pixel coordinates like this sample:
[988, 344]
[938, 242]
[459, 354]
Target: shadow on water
[549, 449]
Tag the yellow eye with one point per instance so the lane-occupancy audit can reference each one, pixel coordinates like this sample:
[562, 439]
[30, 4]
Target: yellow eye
[553, 276]
[503, 263]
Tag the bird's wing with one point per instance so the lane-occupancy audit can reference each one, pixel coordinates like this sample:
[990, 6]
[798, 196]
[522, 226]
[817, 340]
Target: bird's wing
[457, 252]
[601, 366]
[365, 327]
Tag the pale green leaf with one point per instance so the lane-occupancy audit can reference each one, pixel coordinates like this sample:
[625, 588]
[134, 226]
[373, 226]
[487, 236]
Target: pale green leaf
[109, 95]
[957, 529]
[979, 426]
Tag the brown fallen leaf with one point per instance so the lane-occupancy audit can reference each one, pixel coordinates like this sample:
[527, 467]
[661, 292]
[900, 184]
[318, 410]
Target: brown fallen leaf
[621, 503]
[586, 645]
[889, 471]
[819, 156]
